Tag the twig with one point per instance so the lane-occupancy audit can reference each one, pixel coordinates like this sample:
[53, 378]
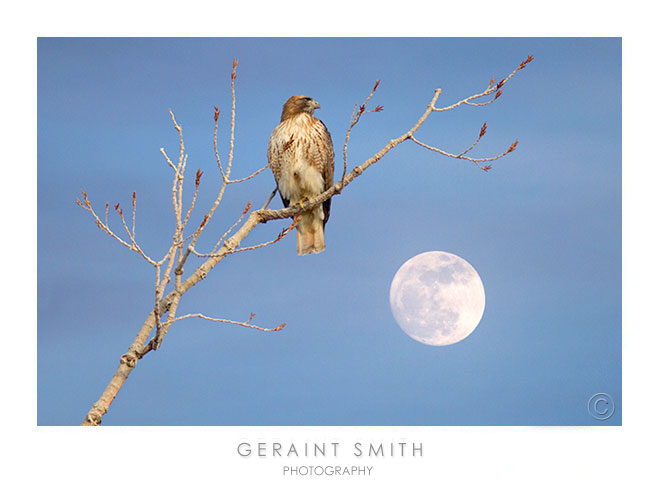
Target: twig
[247, 208]
[480, 136]
[491, 88]
[233, 116]
[217, 154]
[354, 119]
[233, 250]
[281, 235]
[232, 181]
[272, 195]
[106, 228]
[134, 210]
[194, 197]
[240, 323]
[474, 160]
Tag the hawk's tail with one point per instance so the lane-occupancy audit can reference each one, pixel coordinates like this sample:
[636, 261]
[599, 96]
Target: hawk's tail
[310, 234]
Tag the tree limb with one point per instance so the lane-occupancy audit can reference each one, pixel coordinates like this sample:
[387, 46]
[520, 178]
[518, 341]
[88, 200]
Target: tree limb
[168, 304]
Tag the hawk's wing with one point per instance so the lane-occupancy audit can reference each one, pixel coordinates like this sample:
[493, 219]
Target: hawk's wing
[324, 161]
[276, 154]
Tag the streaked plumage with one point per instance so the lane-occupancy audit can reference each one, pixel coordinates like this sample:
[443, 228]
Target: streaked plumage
[301, 157]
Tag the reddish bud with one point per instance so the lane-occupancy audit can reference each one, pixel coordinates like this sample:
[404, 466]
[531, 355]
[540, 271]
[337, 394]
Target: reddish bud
[217, 113]
[204, 221]
[498, 94]
[486, 168]
[483, 130]
[247, 208]
[198, 177]
[78, 202]
[512, 147]
[378, 108]
[280, 327]
[500, 84]
[134, 197]
[377, 82]
[116, 207]
[527, 61]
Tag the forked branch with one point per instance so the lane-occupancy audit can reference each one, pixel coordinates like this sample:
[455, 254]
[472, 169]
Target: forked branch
[163, 314]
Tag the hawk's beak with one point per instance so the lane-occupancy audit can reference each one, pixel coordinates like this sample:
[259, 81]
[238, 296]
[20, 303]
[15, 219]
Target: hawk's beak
[316, 105]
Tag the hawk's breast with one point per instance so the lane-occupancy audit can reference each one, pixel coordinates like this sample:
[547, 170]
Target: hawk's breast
[299, 157]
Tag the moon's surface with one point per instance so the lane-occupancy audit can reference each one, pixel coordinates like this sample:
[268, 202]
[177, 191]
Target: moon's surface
[437, 298]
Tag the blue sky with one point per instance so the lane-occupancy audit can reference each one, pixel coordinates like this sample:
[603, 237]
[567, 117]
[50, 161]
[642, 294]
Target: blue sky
[542, 228]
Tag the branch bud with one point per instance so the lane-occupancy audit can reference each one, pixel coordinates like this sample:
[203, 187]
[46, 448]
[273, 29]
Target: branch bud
[247, 208]
[527, 61]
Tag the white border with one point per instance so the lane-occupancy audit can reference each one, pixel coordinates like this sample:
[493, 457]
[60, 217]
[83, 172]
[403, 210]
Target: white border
[201, 456]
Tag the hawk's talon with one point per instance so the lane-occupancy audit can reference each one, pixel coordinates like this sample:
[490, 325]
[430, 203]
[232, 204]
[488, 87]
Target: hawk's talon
[301, 202]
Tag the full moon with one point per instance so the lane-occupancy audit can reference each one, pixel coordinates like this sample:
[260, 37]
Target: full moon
[437, 298]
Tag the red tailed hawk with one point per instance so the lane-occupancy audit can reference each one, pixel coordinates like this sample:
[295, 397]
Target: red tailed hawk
[301, 157]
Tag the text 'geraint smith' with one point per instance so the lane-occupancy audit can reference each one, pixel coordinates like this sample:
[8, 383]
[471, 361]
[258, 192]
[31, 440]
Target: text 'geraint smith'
[357, 449]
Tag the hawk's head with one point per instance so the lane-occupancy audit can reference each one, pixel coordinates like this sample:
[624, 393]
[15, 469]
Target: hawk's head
[298, 104]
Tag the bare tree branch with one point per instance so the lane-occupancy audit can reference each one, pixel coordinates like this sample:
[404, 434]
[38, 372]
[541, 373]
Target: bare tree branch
[354, 119]
[163, 314]
[240, 323]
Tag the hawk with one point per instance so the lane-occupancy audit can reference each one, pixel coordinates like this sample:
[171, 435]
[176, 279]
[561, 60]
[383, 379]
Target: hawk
[301, 157]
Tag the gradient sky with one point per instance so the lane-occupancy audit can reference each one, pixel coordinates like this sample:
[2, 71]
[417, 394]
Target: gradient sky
[542, 228]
